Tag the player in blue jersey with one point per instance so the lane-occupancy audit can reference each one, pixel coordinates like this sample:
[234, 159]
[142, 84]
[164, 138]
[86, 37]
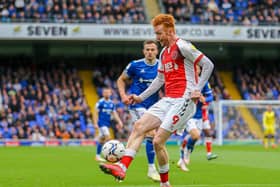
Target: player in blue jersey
[199, 120]
[102, 119]
[141, 73]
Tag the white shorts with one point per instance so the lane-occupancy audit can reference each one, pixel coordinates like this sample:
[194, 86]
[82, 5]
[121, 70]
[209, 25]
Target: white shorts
[136, 113]
[206, 124]
[199, 124]
[194, 123]
[103, 131]
[173, 112]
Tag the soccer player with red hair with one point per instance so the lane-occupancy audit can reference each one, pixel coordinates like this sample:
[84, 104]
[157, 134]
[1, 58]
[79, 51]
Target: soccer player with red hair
[177, 72]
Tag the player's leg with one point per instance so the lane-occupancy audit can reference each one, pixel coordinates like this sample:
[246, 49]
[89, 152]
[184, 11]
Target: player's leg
[162, 155]
[272, 138]
[183, 144]
[193, 127]
[146, 123]
[183, 153]
[104, 135]
[175, 120]
[150, 153]
[208, 140]
[266, 137]
[194, 137]
[99, 144]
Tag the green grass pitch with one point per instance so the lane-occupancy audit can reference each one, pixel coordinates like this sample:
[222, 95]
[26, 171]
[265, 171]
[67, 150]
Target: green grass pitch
[237, 166]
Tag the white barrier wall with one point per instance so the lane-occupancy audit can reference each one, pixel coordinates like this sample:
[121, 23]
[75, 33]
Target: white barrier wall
[135, 32]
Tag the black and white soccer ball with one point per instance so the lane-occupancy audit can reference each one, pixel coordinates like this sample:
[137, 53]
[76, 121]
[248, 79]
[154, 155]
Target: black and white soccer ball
[113, 150]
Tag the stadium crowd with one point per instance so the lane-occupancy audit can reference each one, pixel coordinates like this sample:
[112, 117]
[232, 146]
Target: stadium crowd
[249, 12]
[264, 85]
[40, 103]
[61, 11]
[259, 83]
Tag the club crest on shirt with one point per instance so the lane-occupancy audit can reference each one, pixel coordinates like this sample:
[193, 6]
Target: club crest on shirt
[174, 55]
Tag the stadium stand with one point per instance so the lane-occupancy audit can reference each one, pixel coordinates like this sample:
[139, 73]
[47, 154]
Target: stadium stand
[265, 83]
[42, 102]
[61, 11]
[251, 12]
[259, 83]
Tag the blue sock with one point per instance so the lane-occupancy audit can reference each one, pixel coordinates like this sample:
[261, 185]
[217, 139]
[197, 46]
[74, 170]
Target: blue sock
[150, 152]
[181, 153]
[98, 148]
[190, 144]
[182, 148]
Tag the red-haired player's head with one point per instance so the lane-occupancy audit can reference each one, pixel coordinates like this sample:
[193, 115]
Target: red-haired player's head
[164, 28]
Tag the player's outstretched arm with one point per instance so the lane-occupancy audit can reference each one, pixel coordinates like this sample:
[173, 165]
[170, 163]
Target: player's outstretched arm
[195, 95]
[121, 84]
[154, 86]
[207, 68]
[118, 119]
[133, 99]
[95, 117]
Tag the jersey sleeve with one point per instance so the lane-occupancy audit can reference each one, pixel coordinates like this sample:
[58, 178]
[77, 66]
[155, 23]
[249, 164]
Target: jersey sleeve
[160, 66]
[189, 51]
[207, 89]
[129, 70]
[97, 106]
[207, 92]
[114, 107]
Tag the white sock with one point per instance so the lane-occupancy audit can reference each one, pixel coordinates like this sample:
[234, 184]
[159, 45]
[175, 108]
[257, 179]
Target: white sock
[167, 183]
[152, 166]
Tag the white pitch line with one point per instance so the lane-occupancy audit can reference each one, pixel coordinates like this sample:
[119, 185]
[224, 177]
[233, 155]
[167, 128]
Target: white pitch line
[205, 185]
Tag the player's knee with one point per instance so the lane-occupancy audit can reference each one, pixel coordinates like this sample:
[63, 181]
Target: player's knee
[150, 134]
[195, 134]
[207, 132]
[158, 144]
[102, 140]
[138, 128]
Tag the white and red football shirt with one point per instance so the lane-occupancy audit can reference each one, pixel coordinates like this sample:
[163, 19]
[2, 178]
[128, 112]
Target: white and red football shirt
[178, 64]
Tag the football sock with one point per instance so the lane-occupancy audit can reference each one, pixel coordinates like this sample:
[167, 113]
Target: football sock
[128, 157]
[209, 145]
[184, 143]
[98, 148]
[163, 172]
[190, 144]
[150, 152]
[182, 148]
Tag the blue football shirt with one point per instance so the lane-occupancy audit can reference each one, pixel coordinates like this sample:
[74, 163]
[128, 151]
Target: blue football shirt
[105, 109]
[142, 74]
[207, 93]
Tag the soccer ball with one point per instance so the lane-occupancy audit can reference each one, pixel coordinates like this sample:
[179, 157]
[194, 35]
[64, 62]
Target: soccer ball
[113, 150]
